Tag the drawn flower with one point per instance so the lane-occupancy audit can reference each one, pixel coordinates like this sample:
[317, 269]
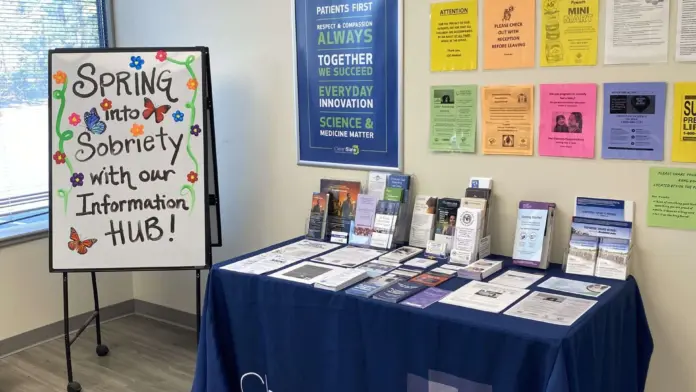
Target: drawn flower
[105, 104]
[192, 84]
[178, 116]
[137, 62]
[192, 177]
[74, 119]
[60, 77]
[77, 179]
[195, 130]
[161, 55]
[59, 157]
[137, 130]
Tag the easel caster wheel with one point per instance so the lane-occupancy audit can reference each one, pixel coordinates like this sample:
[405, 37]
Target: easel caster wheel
[102, 350]
[74, 387]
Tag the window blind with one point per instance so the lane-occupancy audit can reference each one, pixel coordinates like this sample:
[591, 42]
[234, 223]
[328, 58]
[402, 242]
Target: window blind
[28, 30]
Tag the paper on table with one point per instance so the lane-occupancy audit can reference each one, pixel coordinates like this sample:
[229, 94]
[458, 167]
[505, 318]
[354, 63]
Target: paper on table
[349, 256]
[484, 296]
[518, 279]
[508, 120]
[568, 117]
[575, 287]
[305, 272]
[636, 31]
[303, 249]
[551, 308]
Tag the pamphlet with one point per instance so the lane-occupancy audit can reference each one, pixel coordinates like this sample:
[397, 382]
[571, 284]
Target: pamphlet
[317, 217]
[613, 258]
[446, 221]
[467, 236]
[402, 254]
[480, 270]
[602, 228]
[519, 279]
[376, 184]
[402, 181]
[394, 194]
[431, 278]
[399, 291]
[361, 228]
[258, 265]
[303, 249]
[448, 272]
[436, 250]
[484, 296]
[305, 272]
[420, 262]
[575, 287]
[533, 234]
[349, 256]
[551, 308]
[423, 222]
[385, 224]
[340, 279]
[377, 268]
[343, 195]
[607, 209]
[426, 297]
[582, 255]
[373, 286]
[404, 273]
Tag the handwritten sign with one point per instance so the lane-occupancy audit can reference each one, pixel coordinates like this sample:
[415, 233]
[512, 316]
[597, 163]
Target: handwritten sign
[128, 152]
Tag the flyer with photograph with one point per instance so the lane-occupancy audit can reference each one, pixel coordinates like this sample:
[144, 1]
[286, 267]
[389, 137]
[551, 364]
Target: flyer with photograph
[508, 120]
[508, 34]
[453, 118]
[484, 296]
[551, 308]
[637, 31]
[684, 122]
[568, 118]
[454, 36]
[634, 121]
[569, 32]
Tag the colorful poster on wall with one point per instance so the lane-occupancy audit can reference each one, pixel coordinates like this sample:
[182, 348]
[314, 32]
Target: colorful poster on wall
[568, 118]
[453, 118]
[349, 83]
[454, 36]
[508, 34]
[634, 121]
[672, 198]
[636, 31]
[684, 127]
[508, 120]
[569, 32]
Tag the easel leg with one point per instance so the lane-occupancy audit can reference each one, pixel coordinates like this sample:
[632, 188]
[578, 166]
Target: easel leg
[198, 305]
[102, 349]
[72, 385]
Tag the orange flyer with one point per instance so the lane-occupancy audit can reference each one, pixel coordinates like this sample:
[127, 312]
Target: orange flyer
[508, 34]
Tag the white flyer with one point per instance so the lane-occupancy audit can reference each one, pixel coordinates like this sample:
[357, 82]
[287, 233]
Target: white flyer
[521, 280]
[551, 308]
[349, 256]
[575, 287]
[484, 296]
[466, 236]
[305, 272]
[637, 31]
[260, 264]
[376, 184]
[303, 249]
[686, 30]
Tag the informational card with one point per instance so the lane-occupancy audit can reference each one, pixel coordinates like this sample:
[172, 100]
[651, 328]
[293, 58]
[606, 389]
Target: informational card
[519, 279]
[508, 120]
[484, 296]
[636, 31]
[672, 198]
[686, 34]
[453, 118]
[634, 121]
[569, 32]
[508, 34]
[568, 118]
[684, 127]
[551, 308]
[575, 287]
[454, 36]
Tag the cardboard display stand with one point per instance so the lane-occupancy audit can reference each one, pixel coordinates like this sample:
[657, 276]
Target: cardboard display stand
[133, 176]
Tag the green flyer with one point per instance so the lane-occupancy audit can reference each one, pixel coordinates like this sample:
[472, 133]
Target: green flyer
[672, 196]
[453, 118]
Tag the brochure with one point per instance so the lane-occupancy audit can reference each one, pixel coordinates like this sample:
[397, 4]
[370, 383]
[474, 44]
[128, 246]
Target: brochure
[361, 228]
[399, 291]
[423, 222]
[349, 256]
[519, 279]
[426, 297]
[342, 198]
[443, 271]
[446, 221]
[402, 254]
[303, 249]
[467, 236]
[340, 279]
[373, 286]
[385, 224]
[486, 297]
[582, 255]
[551, 308]
[575, 287]
[402, 181]
[608, 209]
[431, 279]
[376, 184]
[480, 270]
[259, 264]
[317, 217]
[420, 262]
[602, 228]
[533, 234]
[404, 273]
[436, 249]
[305, 272]
[613, 258]
[377, 268]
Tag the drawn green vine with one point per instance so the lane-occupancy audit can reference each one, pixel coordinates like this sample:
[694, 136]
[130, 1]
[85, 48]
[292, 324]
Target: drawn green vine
[62, 138]
[187, 189]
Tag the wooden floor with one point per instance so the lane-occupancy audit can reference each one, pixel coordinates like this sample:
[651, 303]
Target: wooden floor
[146, 356]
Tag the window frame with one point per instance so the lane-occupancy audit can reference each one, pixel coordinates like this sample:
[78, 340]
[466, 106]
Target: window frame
[34, 231]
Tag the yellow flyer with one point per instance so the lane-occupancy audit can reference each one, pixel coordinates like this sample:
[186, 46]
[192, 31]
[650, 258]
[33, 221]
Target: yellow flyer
[508, 34]
[454, 36]
[569, 32]
[684, 129]
[508, 120]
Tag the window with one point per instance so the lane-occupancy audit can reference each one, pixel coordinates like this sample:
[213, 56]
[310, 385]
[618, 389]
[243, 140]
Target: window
[28, 29]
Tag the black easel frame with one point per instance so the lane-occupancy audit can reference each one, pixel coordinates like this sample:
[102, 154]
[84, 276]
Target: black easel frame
[212, 200]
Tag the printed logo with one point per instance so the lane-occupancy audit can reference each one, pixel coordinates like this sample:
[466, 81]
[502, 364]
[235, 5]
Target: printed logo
[347, 150]
[508, 140]
[491, 141]
[474, 183]
[255, 379]
[356, 149]
[467, 219]
[507, 14]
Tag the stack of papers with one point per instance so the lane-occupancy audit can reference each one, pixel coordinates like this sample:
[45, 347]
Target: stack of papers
[340, 279]
[377, 268]
[521, 280]
[480, 270]
[404, 273]
[305, 272]
[373, 286]
[426, 297]
[484, 296]
[402, 254]
[399, 291]
[349, 256]
[431, 279]
[420, 263]
[279, 258]
[551, 308]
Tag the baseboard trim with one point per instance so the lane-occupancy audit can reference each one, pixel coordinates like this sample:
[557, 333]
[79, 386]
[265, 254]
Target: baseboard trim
[52, 331]
[165, 314]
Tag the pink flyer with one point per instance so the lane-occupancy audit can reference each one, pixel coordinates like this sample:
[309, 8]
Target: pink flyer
[568, 120]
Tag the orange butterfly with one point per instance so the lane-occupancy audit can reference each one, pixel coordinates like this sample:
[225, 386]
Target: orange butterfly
[76, 243]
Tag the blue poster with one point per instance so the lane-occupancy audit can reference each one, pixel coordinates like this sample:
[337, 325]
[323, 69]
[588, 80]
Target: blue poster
[349, 83]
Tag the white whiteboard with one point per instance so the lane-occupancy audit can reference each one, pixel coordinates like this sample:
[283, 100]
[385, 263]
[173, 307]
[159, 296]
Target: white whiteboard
[127, 165]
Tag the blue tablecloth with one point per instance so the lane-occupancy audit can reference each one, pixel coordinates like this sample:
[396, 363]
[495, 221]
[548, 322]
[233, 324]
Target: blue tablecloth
[265, 334]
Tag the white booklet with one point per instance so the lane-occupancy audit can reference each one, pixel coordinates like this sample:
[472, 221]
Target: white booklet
[575, 287]
[484, 296]
[420, 262]
[519, 279]
[551, 308]
[467, 236]
[423, 221]
[340, 279]
[305, 272]
[303, 249]
[402, 254]
[349, 256]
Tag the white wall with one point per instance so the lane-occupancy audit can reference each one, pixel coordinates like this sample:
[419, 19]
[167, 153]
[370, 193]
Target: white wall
[31, 297]
[265, 193]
